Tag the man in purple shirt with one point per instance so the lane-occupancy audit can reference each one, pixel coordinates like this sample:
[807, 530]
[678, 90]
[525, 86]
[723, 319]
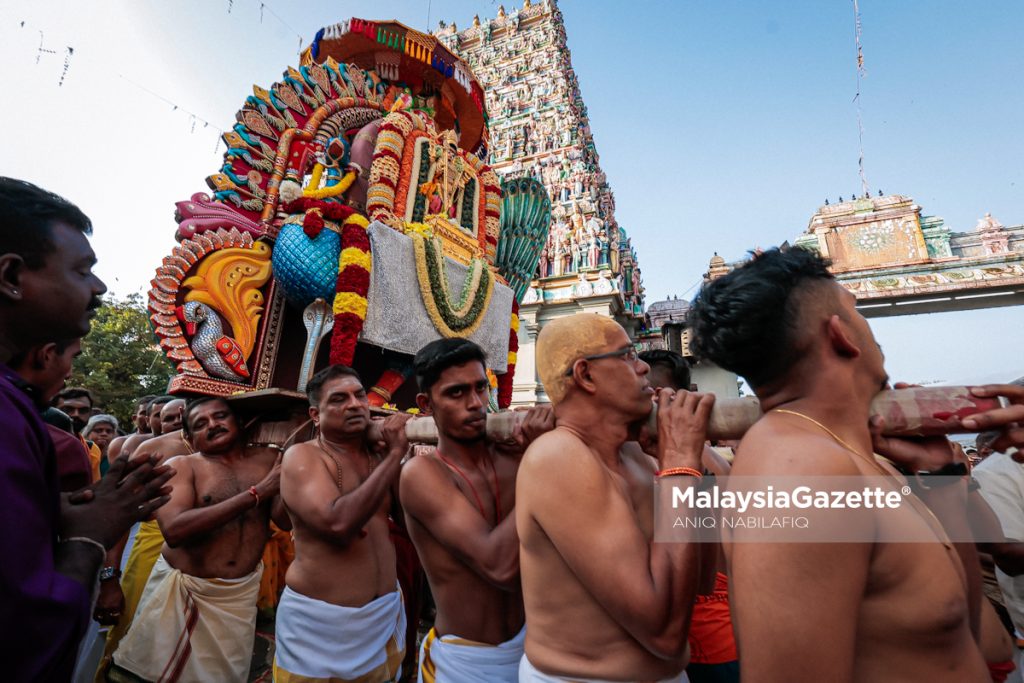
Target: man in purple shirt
[51, 547]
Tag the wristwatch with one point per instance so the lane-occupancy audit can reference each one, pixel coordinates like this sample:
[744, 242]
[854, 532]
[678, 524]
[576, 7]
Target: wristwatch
[108, 573]
[946, 476]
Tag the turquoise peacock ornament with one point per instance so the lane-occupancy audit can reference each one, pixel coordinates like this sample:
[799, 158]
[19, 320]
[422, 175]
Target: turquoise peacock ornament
[525, 222]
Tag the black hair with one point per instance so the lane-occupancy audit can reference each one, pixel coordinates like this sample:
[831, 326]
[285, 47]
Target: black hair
[159, 401]
[315, 386]
[678, 366]
[27, 216]
[748, 320]
[73, 392]
[439, 355]
[144, 401]
[194, 403]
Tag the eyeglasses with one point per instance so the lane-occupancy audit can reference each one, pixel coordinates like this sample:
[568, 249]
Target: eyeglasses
[627, 354]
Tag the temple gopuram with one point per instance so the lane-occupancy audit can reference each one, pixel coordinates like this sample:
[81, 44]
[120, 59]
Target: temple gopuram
[539, 129]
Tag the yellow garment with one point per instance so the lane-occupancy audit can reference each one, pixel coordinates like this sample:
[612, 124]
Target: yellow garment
[95, 455]
[192, 630]
[277, 555]
[145, 551]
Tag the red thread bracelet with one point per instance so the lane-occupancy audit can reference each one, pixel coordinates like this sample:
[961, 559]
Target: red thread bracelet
[255, 494]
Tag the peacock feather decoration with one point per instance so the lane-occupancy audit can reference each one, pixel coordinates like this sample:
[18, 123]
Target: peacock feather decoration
[525, 222]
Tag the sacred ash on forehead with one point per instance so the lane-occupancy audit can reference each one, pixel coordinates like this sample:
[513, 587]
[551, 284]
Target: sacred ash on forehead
[563, 341]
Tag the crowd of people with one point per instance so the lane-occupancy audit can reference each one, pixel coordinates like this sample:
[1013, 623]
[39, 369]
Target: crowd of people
[538, 551]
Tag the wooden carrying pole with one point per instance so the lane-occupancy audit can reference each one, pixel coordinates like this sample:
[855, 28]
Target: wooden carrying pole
[919, 411]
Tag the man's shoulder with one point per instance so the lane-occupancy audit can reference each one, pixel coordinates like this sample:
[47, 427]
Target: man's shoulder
[773, 447]
[559, 455]
[301, 457]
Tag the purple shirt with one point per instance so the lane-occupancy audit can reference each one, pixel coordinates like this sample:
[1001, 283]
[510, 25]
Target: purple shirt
[43, 614]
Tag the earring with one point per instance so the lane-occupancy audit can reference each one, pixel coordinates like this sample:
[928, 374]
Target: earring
[14, 292]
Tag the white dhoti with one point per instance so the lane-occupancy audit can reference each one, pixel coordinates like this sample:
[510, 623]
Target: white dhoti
[528, 673]
[451, 659]
[316, 640]
[192, 630]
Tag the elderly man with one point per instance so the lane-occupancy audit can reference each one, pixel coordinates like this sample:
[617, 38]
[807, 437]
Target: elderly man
[52, 547]
[877, 610]
[341, 616]
[603, 601]
[101, 430]
[197, 616]
[459, 503]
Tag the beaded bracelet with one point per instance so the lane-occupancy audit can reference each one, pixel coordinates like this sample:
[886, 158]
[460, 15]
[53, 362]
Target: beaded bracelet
[680, 471]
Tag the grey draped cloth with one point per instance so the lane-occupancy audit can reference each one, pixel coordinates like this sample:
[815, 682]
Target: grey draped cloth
[396, 318]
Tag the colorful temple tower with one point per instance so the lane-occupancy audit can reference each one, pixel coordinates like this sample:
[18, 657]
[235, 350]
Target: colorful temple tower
[539, 129]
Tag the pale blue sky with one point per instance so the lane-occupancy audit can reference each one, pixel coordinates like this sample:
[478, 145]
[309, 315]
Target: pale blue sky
[722, 125]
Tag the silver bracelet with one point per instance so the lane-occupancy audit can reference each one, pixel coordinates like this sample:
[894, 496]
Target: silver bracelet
[86, 539]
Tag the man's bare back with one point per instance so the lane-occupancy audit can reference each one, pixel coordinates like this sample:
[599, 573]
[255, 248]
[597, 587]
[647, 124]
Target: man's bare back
[351, 572]
[907, 602]
[233, 549]
[477, 589]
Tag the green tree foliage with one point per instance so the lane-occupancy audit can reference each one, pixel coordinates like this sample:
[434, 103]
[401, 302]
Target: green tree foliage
[121, 359]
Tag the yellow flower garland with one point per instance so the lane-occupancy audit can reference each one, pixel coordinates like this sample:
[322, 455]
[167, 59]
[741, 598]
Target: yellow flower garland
[427, 295]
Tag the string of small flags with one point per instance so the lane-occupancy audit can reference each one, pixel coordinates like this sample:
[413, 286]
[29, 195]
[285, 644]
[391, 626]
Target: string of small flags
[43, 50]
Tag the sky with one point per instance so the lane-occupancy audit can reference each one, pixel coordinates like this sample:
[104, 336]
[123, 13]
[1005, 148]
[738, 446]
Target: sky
[722, 125]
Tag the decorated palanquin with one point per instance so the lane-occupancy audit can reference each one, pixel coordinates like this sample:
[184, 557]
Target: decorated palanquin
[352, 203]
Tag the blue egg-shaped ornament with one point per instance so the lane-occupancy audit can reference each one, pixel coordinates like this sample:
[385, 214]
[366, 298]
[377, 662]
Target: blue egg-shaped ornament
[306, 268]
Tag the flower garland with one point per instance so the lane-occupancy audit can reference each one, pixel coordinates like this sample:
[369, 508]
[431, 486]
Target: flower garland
[316, 210]
[354, 266]
[460, 320]
[505, 381]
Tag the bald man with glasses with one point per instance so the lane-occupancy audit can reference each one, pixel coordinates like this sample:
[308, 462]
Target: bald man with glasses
[603, 601]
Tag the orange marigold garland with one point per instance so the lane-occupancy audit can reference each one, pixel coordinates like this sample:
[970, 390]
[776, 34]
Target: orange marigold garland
[350, 303]
[505, 381]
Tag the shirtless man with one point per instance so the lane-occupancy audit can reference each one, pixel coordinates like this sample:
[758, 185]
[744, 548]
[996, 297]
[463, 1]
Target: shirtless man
[341, 615]
[459, 505]
[869, 611]
[155, 408]
[117, 600]
[141, 420]
[207, 580]
[603, 601]
[172, 440]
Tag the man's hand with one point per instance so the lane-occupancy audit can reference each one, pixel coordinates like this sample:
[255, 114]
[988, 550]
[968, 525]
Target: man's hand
[1007, 420]
[270, 485]
[538, 420]
[392, 432]
[682, 427]
[110, 603]
[923, 454]
[118, 501]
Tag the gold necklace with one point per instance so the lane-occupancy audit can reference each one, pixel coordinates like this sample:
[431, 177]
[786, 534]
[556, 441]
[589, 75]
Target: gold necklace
[830, 433]
[328, 448]
[923, 507]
